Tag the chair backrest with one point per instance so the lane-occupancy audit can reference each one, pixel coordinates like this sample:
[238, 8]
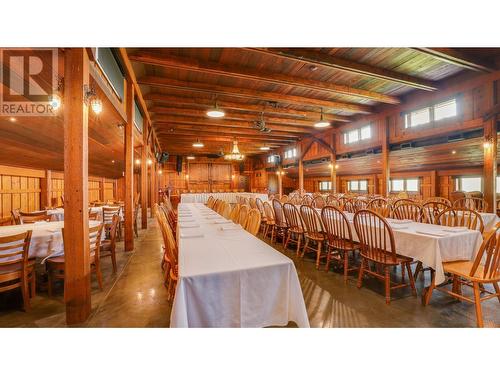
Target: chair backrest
[251, 201]
[94, 239]
[108, 213]
[210, 202]
[337, 228]
[432, 209]
[461, 217]
[332, 200]
[168, 236]
[307, 200]
[253, 221]
[279, 217]
[409, 211]
[284, 199]
[113, 230]
[235, 213]
[343, 201]
[359, 204]
[375, 237]
[318, 202]
[439, 199]
[296, 199]
[311, 219]
[34, 218]
[217, 205]
[260, 206]
[381, 206]
[243, 215]
[476, 204]
[14, 250]
[226, 212]
[269, 212]
[16, 216]
[454, 195]
[93, 215]
[489, 257]
[398, 201]
[292, 217]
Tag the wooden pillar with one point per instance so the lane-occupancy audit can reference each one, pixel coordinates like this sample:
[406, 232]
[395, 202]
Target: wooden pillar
[333, 172]
[76, 219]
[434, 184]
[490, 163]
[46, 190]
[129, 166]
[386, 178]
[152, 186]
[102, 184]
[144, 178]
[280, 181]
[301, 169]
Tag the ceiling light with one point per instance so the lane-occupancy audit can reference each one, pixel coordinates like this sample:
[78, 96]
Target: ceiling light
[12, 119]
[215, 112]
[235, 153]
[322, 123]
[160, 171]
[190, 157]
[453, 152]
[55, 102]
[265, 148]
[198, 144]
[112, 162]
[96, 105]
[150, 161]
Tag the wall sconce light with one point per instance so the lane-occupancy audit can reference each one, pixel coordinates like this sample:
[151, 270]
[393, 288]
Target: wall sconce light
[160, 172]
[137, 161]
[233, 176]
[187, 176]
[150, 161]
[336, 166]
[488, 142]
[55, 99]
[92, 100]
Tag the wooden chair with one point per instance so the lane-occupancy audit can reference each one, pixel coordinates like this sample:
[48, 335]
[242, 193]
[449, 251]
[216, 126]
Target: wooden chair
[16, 270]
[338, 238]
[270, 222]
[235, 213]
[319, 202]
[332, 200]
[377, 246]
[461, 217]
[108, 246]
[252, 203]
[284, 199]
[455, 195]
[306, 200]
[16, 216]
[313, 232]
[476, 204]
[210, 202]
[55, 266]
[260, 207]
[438, 199]
[28, 219]
[93, 215]
[109, 212]
[243, 215]
[280, 226]
[432, 209]
[409, 211]
[381, 206]
[226, 212]
[296, 199]
[397, 201]
[294, 224]
[485, 269]
[253, 222]
[343, 201]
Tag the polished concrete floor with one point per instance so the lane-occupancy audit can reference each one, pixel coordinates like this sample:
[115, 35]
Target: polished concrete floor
[135, 297]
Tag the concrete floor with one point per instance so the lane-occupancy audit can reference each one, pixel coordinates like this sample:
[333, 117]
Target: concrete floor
[135, 297]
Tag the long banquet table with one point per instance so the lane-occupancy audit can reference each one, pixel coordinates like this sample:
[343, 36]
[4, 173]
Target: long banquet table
[229, 278]
[429, 243]
[57, 214]
[46, 238]
[228, 197]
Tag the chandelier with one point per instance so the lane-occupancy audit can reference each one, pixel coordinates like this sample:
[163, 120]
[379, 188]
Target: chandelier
[235, 153]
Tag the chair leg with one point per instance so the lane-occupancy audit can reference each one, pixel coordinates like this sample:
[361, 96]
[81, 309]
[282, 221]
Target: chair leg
[328, 256]
[318, 256]
[272, 234]
[477, 303]
[287, 240]
[387, 279]
[33, 283]
[426, 296]
[113, 260]
[497, 290]
[418, 269]
[98, 274]
[412, 280]
[284, 235]
[25, 293]
[305, 247]
[298, 244]
[346, 265]
[403, 272]
[361, 271]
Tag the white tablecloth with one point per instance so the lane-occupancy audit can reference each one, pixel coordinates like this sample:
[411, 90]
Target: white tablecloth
[228, 197]
[233, 279]
[46, 238]
[57, 214]
[489, 220]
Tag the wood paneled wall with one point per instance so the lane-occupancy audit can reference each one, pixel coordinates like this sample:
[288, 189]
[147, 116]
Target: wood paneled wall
[22, 188]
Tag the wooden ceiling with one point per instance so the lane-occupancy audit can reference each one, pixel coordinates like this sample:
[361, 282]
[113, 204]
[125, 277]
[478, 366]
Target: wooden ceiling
[290, 86]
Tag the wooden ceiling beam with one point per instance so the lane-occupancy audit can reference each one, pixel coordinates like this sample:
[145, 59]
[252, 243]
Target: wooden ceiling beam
[266, 106]
[197, 132]
[333, 62]
[240, 72]
[455, 57]
[230, 115]
[156, 81]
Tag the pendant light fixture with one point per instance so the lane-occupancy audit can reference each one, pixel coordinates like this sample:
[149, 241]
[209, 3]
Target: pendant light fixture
[322, 123]
[198, 144]
[235, 154]
[215, 112]
[265, 148]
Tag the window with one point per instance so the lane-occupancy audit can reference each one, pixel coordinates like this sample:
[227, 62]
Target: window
[357, 185]
[271, 159]
[325, 185]
[469, 184]
[409, 184]
[292, 153]
[111, 69]
[498, 184]
[357, 135]
[427, 115]
[138, 119]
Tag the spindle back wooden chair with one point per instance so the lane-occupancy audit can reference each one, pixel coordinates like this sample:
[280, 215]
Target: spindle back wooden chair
[432, 209]
[381, 206]
[461, 217]
[15, 216]
[484, 269]
[332, 200]
[108, 246]
[252, 203]
[16, 270]
[306, 200]
[472, 203]
[410, 211]
[377, 246]
[226, 212]
[243, 215]
[339, 238]
[280, 226]
[270, 221]
[235, 213]
[313, 232]
[295, 233]
[29, 219]
[438, 199]
[319, 202]
[296, 199]
[253, 222]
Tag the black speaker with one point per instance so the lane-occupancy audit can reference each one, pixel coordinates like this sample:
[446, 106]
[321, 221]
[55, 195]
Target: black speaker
[163, 157]
[178, 166]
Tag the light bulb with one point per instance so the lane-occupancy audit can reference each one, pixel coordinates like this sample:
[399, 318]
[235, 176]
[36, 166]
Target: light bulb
[215, 113]
[55, 102]
[96, 105]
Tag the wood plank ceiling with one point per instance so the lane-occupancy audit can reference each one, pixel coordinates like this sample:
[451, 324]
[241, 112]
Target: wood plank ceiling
[288, 87]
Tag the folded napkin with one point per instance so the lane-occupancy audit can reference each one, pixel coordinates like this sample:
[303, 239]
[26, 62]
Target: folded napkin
[230, 227]
[222, 221]
[186, 220]
[399, 226]
[192, 235]
[431, 233]
[189, 225]
[455, 229]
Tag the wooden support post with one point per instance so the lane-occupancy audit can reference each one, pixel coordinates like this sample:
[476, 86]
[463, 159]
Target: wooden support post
[152, 188]
[333, 161]
[280, 182]
[386, 174]
[144, 178]
[102, 184]
[301, 170]
[76, 219]
[129, 166]
[46, 190]
[434, 184]
[490, 163]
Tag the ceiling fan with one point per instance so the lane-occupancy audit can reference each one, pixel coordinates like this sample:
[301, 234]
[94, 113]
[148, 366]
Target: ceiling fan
[261, 124]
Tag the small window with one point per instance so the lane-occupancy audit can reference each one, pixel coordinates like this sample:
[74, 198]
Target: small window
[357, 185]
[366, 132]
[418, 117]
[357, 135]
[292, 153]
[271, 159]
[469, 184]
[445, 109]
[408, 184]
[397, 185]
[412, 184]
[325, 185]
